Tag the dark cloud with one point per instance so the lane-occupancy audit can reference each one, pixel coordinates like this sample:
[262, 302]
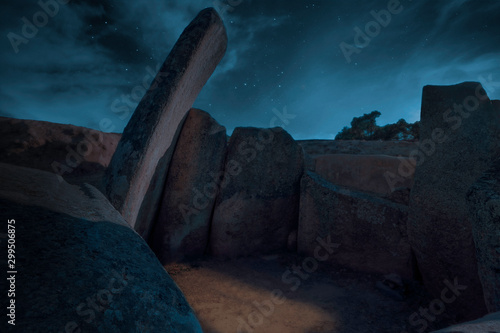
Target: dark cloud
[283, 56]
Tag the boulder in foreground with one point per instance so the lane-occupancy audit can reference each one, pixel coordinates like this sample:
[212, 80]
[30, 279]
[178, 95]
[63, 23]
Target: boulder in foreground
[81, 268]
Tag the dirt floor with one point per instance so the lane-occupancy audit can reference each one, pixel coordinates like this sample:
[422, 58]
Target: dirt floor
[263, 295]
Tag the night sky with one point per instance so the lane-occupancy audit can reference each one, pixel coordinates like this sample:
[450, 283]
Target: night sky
[89, 61]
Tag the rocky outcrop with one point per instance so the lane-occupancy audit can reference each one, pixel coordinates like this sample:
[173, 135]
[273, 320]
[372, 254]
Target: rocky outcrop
[194, 178]
[258, 204]
[136, 175]
[67, 150]
[458, 137]
[80, 267]
[484, 208]
[380, 174]
[365, 232]
[486, 324]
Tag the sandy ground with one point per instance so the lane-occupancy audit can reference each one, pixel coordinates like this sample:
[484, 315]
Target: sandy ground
[250, 295]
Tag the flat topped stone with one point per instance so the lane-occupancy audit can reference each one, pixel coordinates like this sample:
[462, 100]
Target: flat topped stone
[459, 135]
[357, 147]
[135, 169]
[380, 174]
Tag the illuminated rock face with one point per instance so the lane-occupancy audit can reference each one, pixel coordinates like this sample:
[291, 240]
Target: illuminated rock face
[459, 135]
[136, 175]
[194, 178]
[258, 204]
[81, 267]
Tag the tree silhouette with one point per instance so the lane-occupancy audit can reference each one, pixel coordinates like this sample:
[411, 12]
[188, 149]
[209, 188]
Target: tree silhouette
[362, 128]
[366, 128]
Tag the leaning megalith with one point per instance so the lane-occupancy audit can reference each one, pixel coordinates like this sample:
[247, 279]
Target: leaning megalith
[193, 180]
[484, 207]
[459, 135]
[258, 203]
[136, 174]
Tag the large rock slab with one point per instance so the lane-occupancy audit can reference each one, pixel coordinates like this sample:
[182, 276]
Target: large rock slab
[369, 232]
[137, 172]
[380, 174]
[486, 324]
[358, 147]
[484, 207]
[193, 181]
[80, 267]
[72, 152]
[459, 135]
[257, 206]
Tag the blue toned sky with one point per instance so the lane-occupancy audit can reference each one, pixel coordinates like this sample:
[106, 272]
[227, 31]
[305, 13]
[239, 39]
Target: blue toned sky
[89, 61]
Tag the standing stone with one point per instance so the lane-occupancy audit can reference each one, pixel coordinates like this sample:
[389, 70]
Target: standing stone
[257, 207]
[458, 137]
[366, 232]
[136, 176]
[193, 181]
[484, 207]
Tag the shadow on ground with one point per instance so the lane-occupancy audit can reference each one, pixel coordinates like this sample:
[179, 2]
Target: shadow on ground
[241, 295]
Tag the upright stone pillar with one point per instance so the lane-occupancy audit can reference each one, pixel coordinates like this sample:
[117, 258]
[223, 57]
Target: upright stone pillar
[193, 182]
[459, 135]
[257, 208]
